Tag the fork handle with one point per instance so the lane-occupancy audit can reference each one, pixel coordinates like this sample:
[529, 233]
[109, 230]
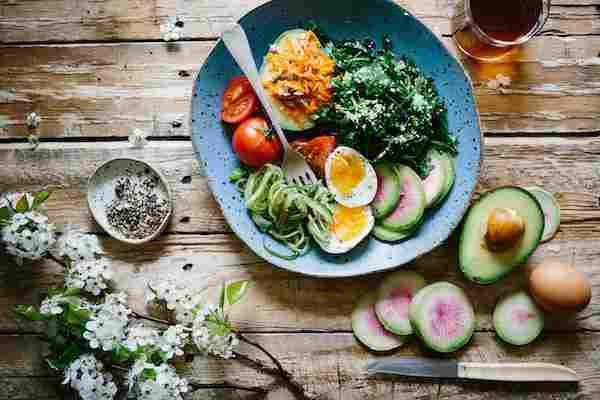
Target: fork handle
[236, 42]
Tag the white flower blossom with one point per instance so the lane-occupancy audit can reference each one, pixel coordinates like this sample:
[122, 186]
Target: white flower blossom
[179, 299]
[33, 120]
[171, 30]
[77, 246]
[210, 340]
[53, 305]
[501, 81]
[87, 377]
[137, 138]
[91, 276]
[107, 325]
[11, 199]
[33, 141]
[173, 341]
[150, 382]
[28, 235]
[141, 336]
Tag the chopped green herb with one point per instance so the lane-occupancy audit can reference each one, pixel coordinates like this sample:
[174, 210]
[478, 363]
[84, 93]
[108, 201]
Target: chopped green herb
[386, 109]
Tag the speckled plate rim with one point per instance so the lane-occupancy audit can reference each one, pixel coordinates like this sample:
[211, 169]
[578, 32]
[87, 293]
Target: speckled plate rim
[383, 266]
[107, 228]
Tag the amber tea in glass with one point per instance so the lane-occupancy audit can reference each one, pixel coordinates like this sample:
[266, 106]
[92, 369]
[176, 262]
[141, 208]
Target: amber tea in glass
[493, 28]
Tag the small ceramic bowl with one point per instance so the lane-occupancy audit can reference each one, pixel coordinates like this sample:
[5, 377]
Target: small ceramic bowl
[101, 193]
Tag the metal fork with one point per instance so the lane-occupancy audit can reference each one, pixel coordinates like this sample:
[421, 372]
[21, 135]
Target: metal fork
[295, 167]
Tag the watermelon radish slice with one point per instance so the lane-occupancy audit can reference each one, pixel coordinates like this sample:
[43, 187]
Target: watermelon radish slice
[551, 210]
[435, 182]
[411, 206]
[388, 190]
[449, 178]
[442, 316]
[367, 328]
[517, 319]
[386, 235]
[393, 300]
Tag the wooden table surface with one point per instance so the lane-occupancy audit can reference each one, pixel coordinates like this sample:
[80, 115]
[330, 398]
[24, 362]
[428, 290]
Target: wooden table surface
[96, 69]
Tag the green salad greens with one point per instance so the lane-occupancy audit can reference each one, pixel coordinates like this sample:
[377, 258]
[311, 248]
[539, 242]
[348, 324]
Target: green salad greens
[386, 109]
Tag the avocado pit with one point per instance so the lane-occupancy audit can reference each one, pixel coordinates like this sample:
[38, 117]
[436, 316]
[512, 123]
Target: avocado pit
[505, 228]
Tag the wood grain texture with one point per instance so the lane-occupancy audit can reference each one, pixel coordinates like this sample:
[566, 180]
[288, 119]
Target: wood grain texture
[333, 365]
[106, 90]
[566, 167]
[71, 20]
[279, 300]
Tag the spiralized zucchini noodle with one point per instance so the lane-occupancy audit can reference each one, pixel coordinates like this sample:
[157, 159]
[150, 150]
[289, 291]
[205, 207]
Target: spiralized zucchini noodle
[290, 213]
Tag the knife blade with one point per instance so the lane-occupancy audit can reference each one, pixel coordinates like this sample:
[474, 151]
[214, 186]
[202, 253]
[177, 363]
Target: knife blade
[434, 368]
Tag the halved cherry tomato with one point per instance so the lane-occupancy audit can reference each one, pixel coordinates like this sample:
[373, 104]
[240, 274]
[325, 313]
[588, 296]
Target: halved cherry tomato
[316, 151]
[255, 144]
[239, 100]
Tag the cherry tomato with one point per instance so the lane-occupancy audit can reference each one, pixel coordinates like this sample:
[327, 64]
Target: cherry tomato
[316, 151]
[255, 144]
[239, 100]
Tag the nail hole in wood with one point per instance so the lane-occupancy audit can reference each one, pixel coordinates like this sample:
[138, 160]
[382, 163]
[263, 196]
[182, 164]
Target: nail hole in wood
[183, 73]
[176, 124]
[186, 179]
[187, 267]
[179, 24]
[184, 220]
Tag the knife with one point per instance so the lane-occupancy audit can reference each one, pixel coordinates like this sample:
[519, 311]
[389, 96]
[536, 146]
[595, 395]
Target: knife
[434, 368]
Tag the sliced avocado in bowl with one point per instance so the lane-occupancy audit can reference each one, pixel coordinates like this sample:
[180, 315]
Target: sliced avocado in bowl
[500, 232]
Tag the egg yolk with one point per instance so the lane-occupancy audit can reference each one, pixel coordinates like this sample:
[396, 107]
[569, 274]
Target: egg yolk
[347, 172]
[348, 223]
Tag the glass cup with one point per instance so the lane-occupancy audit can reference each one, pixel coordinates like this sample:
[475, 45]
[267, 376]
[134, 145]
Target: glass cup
[473, 40]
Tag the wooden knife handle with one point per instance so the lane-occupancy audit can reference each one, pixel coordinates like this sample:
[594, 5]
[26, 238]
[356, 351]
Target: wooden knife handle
[517, 372]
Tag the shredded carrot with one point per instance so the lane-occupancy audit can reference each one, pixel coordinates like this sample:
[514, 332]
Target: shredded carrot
[301, 76]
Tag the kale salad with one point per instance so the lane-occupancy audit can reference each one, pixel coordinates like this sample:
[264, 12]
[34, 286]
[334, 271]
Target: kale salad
[387, 109]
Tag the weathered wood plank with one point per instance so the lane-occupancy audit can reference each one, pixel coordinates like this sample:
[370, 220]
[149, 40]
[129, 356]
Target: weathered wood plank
[279, 300]
[567, 167]
[72, 21]
[333, 365]
[107, 90]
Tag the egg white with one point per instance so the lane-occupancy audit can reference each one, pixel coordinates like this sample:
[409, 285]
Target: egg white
[334, 245]
[364, 192]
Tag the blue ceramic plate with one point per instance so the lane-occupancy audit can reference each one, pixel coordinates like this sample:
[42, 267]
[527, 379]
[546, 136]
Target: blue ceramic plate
[356, 19]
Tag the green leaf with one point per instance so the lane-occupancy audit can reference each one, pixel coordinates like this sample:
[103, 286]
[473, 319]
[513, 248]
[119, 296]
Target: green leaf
[39, 199]
[236, 290]
[222, 297]
[4, 214]
[121, 354]
[29, 313]
[149, 373]
[72, 292]
[22, 204]
[237, 174]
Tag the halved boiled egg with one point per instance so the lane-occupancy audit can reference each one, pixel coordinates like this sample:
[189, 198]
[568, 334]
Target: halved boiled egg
[348, 227]
[350, 177]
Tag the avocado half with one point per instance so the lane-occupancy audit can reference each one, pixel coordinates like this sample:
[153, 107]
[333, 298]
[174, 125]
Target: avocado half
[265, 74]
[476, 260]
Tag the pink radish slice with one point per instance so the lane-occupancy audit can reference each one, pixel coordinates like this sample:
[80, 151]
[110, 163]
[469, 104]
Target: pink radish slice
[411, 206]
[367, 328]
[443, 317]
[434, 183]
[393, 300]
[517, 319]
